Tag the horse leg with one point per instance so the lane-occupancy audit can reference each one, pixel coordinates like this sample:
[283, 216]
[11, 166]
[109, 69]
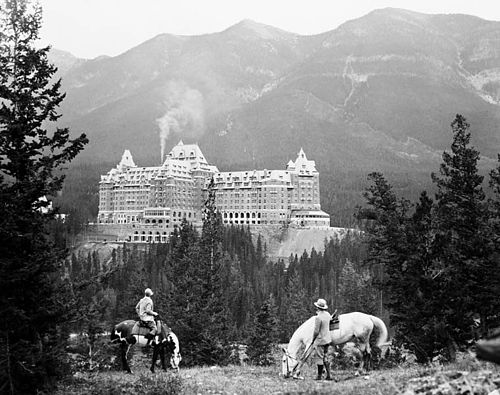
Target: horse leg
[124, 353]
[368, 360]
[326, 362]
[364, 347]
[162, 357]
[328, 371]
[155, 356]
[368, 356]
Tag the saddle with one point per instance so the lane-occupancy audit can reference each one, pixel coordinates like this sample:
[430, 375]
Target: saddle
[334, 322]
[140, 329]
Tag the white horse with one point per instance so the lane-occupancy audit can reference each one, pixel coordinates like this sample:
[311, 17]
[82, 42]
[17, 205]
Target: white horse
[356, 327]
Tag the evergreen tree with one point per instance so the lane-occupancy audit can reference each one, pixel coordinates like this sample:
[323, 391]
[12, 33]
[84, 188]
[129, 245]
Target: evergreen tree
[463, 240]
[357, 292]
[394, 244]
[493, 320]
[32, 296]
[213, 267]
[198, 303]
[414, 286]
[295, 307]
[440, 266]
[385, 219]
[264, 338]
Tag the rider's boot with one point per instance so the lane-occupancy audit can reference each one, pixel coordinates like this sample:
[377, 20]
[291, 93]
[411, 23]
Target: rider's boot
[150, 338]
[320, 373]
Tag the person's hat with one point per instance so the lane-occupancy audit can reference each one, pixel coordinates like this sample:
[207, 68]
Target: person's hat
[148, 292]
[321, 304]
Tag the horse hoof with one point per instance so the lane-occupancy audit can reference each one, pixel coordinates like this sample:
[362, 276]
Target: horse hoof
[297, 377]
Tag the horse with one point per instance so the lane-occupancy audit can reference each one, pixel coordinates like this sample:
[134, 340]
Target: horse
[128, 333]
[489, 349]
[355, 327]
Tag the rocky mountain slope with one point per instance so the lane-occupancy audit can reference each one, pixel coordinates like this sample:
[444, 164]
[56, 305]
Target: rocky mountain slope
[378, 92]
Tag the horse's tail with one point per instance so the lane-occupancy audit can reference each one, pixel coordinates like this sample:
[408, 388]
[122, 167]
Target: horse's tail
[383, 334]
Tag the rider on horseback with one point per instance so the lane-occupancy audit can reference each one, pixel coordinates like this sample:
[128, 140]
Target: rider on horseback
[146, 314]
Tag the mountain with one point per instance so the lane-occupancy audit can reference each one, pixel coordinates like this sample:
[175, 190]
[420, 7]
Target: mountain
[377, 93]
[64, 60]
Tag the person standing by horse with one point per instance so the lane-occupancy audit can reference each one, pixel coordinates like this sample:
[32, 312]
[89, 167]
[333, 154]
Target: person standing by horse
[146, 313]
[321, 337]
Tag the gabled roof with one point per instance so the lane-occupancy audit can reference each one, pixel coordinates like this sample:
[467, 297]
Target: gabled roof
[126, 161]
[302, 164]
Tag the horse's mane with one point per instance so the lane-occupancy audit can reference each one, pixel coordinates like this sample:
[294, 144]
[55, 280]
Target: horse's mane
[165, 330]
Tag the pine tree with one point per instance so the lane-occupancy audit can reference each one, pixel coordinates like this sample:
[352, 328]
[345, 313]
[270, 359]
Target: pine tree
[32, 296]
[463, 237]
[198, 304]
[295, 307]
[264, 338]
[440, 266]
[213, 267]
[357, 292]
[386, 217]
[493, 319]
[415, 289]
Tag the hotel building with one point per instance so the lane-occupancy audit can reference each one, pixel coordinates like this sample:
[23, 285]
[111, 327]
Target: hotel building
[145, 204]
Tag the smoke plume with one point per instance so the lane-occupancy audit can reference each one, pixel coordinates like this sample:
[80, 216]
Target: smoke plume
[185, 113]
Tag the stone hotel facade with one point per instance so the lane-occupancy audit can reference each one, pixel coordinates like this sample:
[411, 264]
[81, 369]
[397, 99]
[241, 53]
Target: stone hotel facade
[145, 204]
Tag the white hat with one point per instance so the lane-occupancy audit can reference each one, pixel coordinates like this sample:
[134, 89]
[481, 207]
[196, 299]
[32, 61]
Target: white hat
[148, 292]
[321, 304]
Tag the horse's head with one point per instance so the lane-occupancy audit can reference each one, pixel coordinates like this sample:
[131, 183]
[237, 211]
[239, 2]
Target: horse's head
[174, 350]
[171, 344]
[288, 364]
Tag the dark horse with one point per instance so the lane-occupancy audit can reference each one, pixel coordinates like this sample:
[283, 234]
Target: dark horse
[129, 333]
[489, 349]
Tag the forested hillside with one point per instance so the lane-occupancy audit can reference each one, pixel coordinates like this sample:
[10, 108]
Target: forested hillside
[246, 281]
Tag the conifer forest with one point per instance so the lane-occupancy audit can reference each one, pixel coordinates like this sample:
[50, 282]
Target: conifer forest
[427, 264]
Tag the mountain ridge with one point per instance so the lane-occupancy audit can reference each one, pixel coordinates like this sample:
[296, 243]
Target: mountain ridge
[378, 91]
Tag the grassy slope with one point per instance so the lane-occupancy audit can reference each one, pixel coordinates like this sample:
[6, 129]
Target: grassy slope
[482, 378]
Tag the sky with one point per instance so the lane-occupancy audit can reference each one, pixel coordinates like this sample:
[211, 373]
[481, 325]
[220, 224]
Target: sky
[90, 28]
